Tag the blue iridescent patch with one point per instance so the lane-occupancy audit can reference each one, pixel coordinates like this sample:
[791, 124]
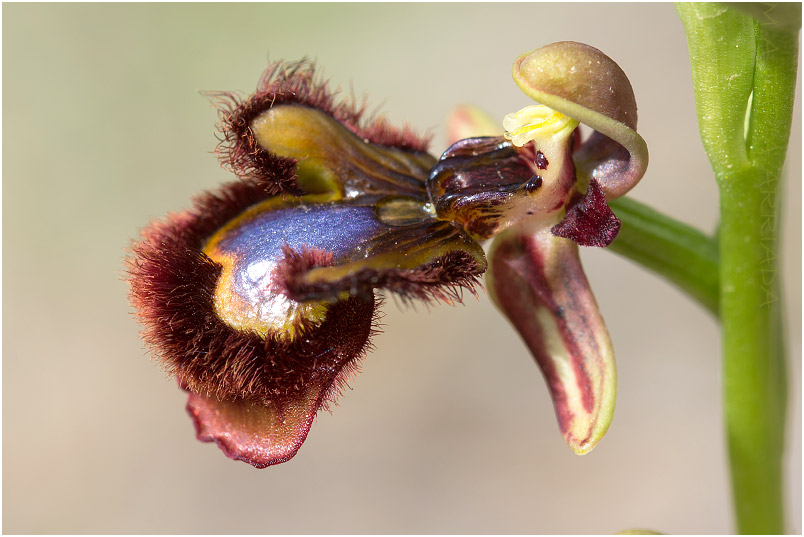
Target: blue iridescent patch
[251, 249]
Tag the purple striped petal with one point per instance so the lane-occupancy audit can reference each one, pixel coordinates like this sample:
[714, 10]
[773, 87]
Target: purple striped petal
[536, 279]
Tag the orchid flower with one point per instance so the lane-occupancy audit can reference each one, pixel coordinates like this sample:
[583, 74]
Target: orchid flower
[261, 299]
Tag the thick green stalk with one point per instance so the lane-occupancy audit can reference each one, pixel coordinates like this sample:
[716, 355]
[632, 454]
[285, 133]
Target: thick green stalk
[754, 371]
[732, 56]
[680, 253]
[752, 383]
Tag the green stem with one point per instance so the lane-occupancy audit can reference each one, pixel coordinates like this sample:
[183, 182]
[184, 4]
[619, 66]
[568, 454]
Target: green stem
[680, 253]
[732, 56]
[754, 367]
[751, 383]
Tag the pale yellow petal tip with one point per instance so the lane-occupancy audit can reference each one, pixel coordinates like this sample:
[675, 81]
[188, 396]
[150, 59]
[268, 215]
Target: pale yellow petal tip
[470, 121]
[536, 121]
[639, 531]
[582, 448]
[590, 440]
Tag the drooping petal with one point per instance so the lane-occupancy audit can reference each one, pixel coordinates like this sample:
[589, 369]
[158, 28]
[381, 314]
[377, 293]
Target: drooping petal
[536, 279]
[585, 84]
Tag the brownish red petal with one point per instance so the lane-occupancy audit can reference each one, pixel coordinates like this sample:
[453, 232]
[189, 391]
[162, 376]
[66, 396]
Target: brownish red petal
[589, 221]
[256, 433]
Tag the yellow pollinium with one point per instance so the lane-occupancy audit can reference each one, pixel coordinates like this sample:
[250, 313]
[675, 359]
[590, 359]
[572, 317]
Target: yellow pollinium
[536, 122]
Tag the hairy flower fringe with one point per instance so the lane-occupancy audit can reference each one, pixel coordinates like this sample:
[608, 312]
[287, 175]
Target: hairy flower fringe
[172, 284]
[293, 83]
[352, 367]
[444, 279]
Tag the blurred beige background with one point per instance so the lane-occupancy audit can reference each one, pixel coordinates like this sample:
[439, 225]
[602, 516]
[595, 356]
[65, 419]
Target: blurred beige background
[449, 428]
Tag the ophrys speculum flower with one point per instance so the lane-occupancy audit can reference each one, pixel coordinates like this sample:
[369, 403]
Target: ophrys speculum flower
[261, 298]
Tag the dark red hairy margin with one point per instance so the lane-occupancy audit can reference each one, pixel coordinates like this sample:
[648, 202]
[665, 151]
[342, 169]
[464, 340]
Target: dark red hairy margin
[443, 279]
[299, 83]
[172, 284]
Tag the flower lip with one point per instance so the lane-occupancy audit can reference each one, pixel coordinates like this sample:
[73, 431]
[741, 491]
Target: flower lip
[252, 432]
[172, 286]
[238, 377]
[314, 237]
